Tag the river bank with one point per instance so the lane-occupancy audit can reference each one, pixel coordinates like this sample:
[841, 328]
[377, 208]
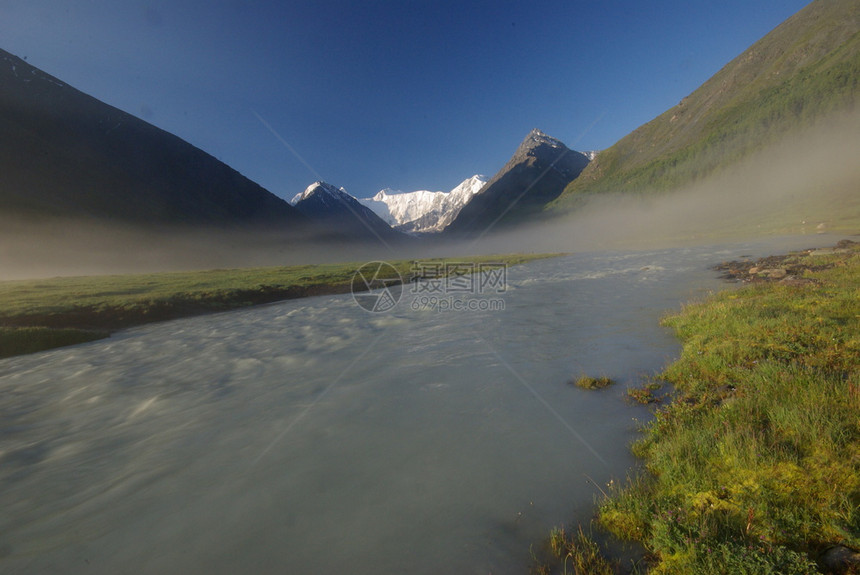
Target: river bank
[754, 466]
[37, 315]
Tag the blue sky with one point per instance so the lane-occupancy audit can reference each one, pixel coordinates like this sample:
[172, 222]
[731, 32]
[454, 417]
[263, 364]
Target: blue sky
[407, 94]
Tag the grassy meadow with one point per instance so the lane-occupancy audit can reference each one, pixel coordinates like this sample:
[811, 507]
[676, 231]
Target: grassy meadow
[754, 466]
[47, 313]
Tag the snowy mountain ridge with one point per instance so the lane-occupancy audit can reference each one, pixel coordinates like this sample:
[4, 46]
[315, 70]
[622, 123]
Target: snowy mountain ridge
[423, 211]
[324, 202]
[326, 192]
[536, 137]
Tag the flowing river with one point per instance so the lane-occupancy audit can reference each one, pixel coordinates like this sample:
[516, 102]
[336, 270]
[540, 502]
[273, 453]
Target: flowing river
[312, 436]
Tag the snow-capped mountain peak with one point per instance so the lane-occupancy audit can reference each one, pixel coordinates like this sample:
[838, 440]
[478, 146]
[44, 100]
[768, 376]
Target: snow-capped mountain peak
[536, 137]
[423, 210]
[324, 189]
[324, 202]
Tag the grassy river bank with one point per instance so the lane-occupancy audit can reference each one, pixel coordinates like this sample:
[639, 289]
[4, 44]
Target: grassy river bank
[42, 314]
[753, 466]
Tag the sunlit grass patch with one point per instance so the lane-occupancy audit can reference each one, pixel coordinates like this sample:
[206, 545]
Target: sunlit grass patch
[755, 466]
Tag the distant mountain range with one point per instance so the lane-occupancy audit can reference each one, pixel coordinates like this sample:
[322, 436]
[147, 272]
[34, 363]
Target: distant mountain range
[423, 211]
[536, 174]
[66, 154]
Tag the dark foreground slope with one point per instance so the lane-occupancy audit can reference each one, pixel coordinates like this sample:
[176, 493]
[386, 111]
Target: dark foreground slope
[64, 153]
[805, 69]
[536, 174]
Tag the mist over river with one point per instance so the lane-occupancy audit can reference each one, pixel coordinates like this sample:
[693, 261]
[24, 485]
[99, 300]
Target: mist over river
[312, 436]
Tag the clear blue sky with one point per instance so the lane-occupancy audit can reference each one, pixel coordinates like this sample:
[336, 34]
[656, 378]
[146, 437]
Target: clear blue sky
[408, 94]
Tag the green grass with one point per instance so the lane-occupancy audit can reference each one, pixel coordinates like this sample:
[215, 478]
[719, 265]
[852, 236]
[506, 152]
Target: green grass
[644, 393]
[47, 313]
[572, 553]
[755, 465]
[588, 382]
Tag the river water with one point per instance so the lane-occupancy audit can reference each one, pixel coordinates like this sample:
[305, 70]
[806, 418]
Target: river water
[313, 436]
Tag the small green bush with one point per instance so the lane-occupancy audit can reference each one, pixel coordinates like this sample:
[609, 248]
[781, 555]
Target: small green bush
[588, 382]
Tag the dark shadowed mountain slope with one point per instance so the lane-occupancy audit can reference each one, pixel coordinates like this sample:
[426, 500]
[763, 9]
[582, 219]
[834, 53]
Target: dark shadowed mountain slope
[536, 174]
[64, 153]
[805, 69]
[343, 214]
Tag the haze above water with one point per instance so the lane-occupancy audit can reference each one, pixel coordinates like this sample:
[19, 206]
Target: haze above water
[313, 436]
[799, 185]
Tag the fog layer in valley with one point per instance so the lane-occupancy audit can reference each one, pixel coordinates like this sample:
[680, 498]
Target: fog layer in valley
[809, 184]
[806, 185]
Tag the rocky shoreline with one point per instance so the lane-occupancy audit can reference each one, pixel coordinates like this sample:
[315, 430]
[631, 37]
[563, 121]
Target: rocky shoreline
[788, 269]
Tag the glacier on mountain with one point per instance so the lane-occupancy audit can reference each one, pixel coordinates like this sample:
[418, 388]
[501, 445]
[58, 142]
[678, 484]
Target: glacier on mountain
[423, 211]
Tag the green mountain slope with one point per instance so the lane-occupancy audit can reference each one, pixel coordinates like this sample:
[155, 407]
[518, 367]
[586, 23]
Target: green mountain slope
[805, 69]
